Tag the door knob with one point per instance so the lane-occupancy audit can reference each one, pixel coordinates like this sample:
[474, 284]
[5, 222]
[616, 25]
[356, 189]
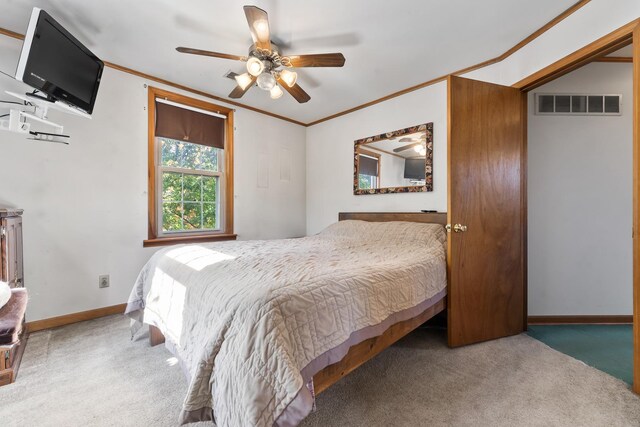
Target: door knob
[457, 228]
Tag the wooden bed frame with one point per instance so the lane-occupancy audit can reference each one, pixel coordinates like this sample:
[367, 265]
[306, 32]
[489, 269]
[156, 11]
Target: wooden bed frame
[360, 353]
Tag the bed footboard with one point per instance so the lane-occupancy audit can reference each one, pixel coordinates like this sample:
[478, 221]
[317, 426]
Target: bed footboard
[360, 353]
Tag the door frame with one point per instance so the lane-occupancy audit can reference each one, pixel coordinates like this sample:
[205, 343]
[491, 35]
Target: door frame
[623, 36]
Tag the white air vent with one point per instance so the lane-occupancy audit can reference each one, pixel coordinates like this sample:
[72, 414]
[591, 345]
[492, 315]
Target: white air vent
[578, 105]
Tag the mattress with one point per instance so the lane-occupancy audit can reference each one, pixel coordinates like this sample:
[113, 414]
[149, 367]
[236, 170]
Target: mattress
[251, 322]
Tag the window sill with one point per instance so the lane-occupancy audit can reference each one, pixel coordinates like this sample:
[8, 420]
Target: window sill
[165, 241]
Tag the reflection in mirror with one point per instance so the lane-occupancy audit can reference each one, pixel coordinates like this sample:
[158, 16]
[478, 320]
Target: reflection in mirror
[395, 162]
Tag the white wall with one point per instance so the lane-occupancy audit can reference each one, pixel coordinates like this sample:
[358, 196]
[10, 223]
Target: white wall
[72, 236]
[392, 171]
[580, 200]
[329, 144]
[86, 204]
[330, 157]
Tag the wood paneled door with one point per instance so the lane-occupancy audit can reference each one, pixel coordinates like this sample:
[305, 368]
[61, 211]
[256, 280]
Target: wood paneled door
[487, 211]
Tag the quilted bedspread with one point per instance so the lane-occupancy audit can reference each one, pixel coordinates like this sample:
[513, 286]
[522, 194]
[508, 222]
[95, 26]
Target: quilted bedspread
[251, 322]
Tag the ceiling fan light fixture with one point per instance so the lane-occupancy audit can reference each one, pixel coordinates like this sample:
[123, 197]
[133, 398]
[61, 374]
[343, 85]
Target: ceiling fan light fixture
[244, 80]
[275, 92]
[289, 77]
[417, 148]
[255, 67]
[264, 60]
[266, 81]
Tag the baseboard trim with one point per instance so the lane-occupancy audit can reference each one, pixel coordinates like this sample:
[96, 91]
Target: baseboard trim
[67, 319]
[581, 319]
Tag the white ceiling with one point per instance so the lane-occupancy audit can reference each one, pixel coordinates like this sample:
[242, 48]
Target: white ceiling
[388, 45]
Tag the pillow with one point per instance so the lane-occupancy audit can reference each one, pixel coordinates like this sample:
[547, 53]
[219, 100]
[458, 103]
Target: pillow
[390, 232]
[5, 293]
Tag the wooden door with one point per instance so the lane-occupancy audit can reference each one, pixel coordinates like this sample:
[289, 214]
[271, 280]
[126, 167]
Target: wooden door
[487, 160]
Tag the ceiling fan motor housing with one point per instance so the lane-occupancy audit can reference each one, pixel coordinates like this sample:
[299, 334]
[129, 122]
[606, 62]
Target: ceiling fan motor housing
[272, 57]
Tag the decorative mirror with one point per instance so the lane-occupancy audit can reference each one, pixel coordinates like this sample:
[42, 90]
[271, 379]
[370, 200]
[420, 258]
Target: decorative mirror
[394, 162]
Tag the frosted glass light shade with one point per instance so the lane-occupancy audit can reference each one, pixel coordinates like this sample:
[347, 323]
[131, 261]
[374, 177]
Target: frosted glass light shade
[276, 92]
[254, 66]
[289, 77]
[244, 80]
[266, 81]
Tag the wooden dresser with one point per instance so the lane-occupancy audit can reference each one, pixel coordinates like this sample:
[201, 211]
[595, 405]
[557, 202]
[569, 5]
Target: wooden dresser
[11, 270]
[13, 337]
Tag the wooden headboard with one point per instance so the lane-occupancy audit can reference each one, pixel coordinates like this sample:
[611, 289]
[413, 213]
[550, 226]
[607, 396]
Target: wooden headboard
[427, 217]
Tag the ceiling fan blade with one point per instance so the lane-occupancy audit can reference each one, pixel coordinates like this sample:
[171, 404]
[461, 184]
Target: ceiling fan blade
[238, 92]
[209, 53]
[296, 91]
[258, 21]
[231, 75]
[317, 60]
[406, 147]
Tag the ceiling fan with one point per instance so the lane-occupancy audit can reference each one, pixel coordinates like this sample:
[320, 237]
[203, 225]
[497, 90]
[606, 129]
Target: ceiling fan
[265, 61]
[418, 144]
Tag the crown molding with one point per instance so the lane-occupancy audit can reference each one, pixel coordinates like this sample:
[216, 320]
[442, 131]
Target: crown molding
[603, 46]
[619, 59]
[546, 27]
[156, 79]
[199, 92]
[11, 34]
[505, 55]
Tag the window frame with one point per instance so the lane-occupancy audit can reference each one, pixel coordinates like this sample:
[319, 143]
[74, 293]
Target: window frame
[225, 203]
[371, 154]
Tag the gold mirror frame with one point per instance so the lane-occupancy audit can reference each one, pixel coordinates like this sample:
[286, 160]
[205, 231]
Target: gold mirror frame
[428, 128]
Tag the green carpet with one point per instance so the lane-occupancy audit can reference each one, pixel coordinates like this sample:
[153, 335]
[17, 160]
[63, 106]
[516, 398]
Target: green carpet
[608, 348]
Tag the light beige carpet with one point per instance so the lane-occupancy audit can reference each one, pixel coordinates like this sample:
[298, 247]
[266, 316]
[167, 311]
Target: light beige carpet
[92, 374]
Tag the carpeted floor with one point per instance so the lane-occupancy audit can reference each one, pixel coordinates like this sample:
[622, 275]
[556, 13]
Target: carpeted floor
[605, 347]
[92, 374]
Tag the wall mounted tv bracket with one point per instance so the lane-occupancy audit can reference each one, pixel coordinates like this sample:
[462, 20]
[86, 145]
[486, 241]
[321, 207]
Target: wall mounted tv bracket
[36, 109]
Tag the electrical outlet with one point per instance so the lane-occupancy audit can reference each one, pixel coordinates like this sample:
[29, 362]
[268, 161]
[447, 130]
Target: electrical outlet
[103, 281]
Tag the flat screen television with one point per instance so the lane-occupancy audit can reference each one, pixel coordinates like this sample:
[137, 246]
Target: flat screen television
[54, 62]
[414, 169]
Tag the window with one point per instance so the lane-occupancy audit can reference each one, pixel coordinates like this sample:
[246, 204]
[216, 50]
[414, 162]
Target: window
[368, 182]
[368, 170]
[189, 180]
[190, 170]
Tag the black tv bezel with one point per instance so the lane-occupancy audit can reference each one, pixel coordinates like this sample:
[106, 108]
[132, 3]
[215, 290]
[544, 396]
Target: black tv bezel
[414, 177]
[52, 91]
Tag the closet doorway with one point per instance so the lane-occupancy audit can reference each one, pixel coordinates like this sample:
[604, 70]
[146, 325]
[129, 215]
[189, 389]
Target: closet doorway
[579, 183]
[624, 36]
